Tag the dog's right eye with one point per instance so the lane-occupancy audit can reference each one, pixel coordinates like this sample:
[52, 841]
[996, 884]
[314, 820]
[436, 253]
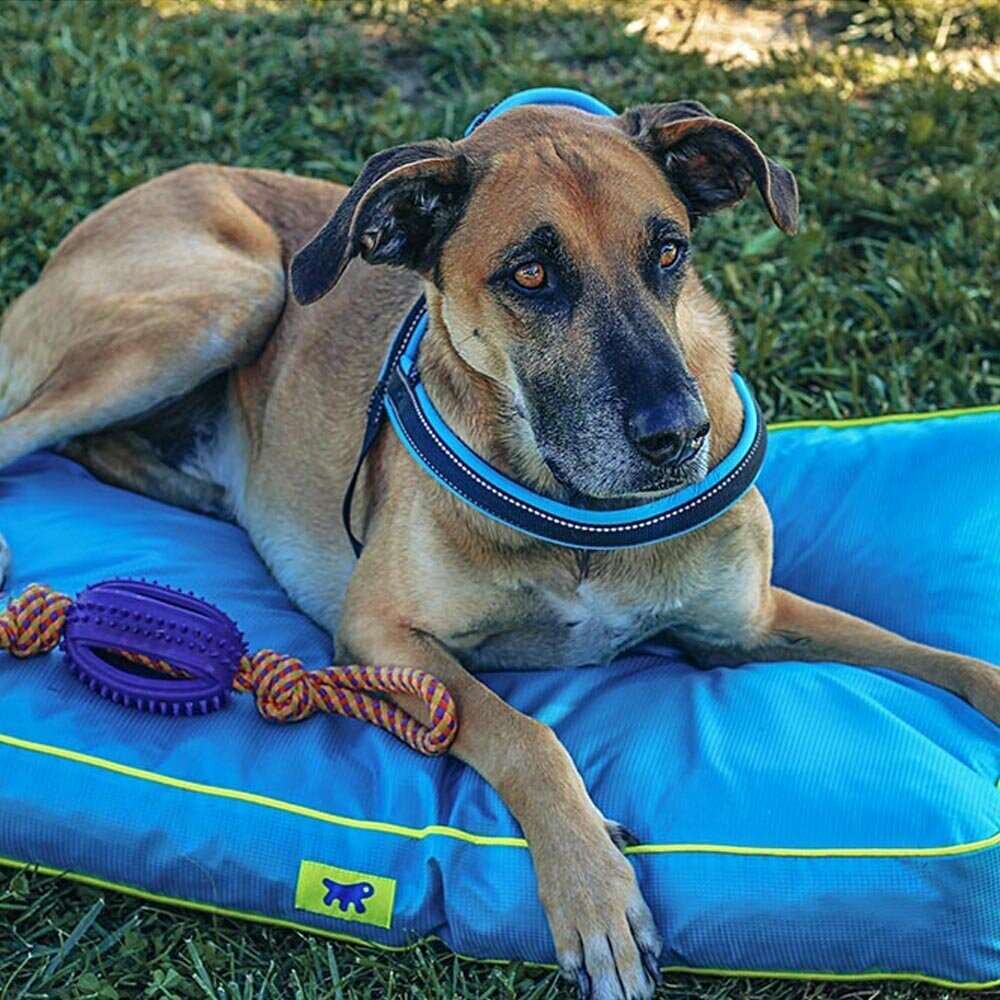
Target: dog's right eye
[530, 276]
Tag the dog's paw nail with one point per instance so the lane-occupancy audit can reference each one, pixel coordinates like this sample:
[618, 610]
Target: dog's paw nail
[583, 982]
[621, 836]
[651, 964]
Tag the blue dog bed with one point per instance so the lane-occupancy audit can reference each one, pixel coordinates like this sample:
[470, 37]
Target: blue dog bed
[809, 820]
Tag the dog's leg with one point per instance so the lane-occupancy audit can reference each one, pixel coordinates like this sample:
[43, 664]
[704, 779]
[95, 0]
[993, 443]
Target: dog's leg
[604, 934]
[166, 286]
[113, 375]
[148, 298]
[789, 627]
[125, 458]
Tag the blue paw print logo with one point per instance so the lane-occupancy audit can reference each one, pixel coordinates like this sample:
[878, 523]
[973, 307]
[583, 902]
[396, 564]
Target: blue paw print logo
[347, 895]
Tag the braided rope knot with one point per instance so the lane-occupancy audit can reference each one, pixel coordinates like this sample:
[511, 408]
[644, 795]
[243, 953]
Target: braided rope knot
[33, 621]
[286, 692]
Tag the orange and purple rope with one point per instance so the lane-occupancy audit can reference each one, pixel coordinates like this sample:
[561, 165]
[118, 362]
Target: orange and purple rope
[284, 690]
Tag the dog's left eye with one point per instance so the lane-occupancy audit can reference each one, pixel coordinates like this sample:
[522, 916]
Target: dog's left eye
[670, 254]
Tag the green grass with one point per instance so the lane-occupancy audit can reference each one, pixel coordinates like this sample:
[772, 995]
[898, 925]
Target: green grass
[886, 301]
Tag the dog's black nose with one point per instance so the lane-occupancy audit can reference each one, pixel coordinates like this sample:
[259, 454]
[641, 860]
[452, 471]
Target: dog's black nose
[668, 435]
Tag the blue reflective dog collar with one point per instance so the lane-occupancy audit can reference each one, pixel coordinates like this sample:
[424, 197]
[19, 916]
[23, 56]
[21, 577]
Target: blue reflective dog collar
[401, 395]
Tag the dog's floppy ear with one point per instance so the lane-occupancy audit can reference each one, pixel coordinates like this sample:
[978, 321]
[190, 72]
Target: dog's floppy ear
[710, 162]
[400, 209]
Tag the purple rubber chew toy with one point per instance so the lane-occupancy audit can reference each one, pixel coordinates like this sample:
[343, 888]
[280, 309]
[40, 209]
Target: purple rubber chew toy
[159, 623]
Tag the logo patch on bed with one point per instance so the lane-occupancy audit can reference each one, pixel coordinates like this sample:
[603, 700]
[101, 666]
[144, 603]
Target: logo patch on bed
[345, 895]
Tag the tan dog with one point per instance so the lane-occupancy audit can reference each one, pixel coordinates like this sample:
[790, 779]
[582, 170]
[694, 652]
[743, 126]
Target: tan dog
[570, 343]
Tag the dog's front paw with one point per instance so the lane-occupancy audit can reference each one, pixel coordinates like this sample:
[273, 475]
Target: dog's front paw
[604, 934]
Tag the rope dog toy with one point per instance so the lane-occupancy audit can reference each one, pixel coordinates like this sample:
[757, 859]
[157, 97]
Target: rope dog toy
[161, 650]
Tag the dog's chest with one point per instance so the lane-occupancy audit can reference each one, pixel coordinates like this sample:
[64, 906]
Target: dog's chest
[562, 627]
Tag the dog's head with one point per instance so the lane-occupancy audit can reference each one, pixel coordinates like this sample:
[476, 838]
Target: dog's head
[558, 246]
